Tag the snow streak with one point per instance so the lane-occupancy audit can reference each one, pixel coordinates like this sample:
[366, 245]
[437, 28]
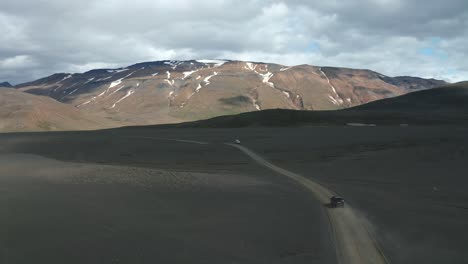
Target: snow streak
[119, 81]
[216, 63]
[335, 98]
[130, 92]
[207, 79]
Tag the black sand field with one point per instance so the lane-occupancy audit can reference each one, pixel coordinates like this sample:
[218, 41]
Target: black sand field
[136, 195]
[410, 182]
[204, 204]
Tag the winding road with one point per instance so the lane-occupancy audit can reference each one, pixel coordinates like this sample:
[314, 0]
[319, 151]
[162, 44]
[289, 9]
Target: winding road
[351, 232]
[354, 240]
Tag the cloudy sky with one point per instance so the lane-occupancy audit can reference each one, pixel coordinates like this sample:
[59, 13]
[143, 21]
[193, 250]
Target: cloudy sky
[427, 38]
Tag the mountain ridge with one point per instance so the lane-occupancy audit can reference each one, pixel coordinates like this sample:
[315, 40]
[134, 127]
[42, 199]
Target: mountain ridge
[400, 111]
[6, 85]
[171, 91]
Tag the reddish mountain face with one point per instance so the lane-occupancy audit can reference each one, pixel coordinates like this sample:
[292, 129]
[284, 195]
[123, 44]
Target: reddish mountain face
[176, 91]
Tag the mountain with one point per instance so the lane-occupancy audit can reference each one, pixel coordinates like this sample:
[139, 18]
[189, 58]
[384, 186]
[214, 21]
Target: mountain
[26, 112]
[412, 84]
[178, 91]
[451, 98]
[444, 105]
[5, 85]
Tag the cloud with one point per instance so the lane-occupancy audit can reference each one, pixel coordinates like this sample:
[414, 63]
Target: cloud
[17, 62]
[394, 37]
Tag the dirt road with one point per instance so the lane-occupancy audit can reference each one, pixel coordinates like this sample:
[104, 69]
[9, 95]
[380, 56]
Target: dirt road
[352, 233]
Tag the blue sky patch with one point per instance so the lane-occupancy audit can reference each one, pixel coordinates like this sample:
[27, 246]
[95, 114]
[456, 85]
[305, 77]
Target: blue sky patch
[313, 47]
[427, 51]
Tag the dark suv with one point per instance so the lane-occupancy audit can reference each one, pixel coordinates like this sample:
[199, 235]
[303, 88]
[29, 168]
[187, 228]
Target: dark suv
[336, 201]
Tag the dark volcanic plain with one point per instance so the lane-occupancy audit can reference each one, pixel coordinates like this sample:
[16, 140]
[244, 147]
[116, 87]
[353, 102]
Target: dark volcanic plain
[118, 198]
[134, 195]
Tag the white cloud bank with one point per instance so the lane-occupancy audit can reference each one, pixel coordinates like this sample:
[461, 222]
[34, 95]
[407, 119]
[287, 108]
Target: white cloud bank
[422, 38]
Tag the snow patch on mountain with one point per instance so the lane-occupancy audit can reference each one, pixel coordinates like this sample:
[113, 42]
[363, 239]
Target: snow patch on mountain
[72, 92]
[103, 79]
[66, 90]
[103, 93]
[71, 86]
[130, 92]
[266, 78]
[216, 63]
[168, 80]
[117, 70]
[66, 77]
[250, 66]
[116, 90]
[119, 81]
[170, 97]
[207, 79]
[256, 105]
[335, 98]
[188, 99]
[199, 87]
[87, 102]
[115, 83]
[187, 74]
[173, 63]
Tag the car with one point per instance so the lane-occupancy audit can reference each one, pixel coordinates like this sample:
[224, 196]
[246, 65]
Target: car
[237, 141]
[336, 201]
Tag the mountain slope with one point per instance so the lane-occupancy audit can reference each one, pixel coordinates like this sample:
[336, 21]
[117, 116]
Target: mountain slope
[6, 85]
[178, 91]
[453, 98]
[25, 112]
[445, 105]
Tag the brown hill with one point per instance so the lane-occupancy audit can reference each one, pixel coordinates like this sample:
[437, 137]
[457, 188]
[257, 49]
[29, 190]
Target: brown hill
[446, 105]
[177, 91]
[21, 111]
